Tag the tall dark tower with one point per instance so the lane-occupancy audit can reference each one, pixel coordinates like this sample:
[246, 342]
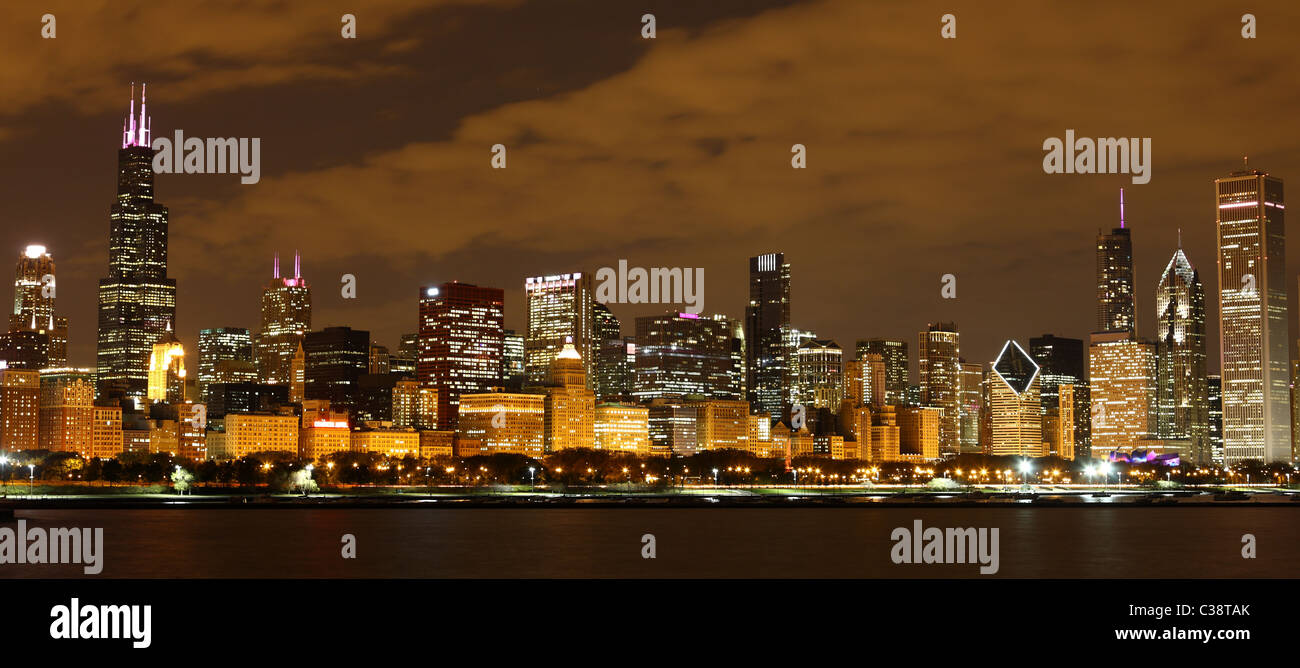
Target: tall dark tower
[1116, 305]
[137, 302]
[767, 322]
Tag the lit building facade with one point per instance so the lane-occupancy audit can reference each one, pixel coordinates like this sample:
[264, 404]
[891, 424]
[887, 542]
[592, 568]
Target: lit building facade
[137, 301]
[939, 352]
[225, 344]
[893, 353]
[167, 371]
[1253, 321]
[623, 428]
[819, 374]
[67, 410]
[1015, 407]
[1122, 373]
[35, 290]
[336, 359]
[501, 422]
[1182, 391]
[680, 355]
[461, 343]
[286, 319]
[560, 310]
[243, 434]
[767, 324]
[570, 407]
[20, 409]
[1062, 361]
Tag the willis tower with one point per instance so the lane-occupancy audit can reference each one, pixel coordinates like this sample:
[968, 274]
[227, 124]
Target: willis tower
[137, 301]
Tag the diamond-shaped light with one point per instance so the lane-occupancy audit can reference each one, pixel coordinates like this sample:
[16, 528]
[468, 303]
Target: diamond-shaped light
[1015, 367]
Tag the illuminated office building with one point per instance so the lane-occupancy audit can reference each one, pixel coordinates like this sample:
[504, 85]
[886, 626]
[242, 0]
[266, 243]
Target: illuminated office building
[560, 309]
[1122, 372]
[1062, 361]
[167, 371]
[623, 428]
[336, 359]
[939, 352]
[415, 405]
[682, 354]
[673, 428]
[1253, 325]
[513, 369]
[570, 407]
[20, 406]
[893, 352]
[1116, 298]
[819, 364]
[501, 422]
[137, 301]
[1182, 393]
[462, 343]
[286, 319]
[767, 325]
[1015, 408]
[67, 410]
[34, 295]
[972, 406]
[1214, 384]
[224, 344]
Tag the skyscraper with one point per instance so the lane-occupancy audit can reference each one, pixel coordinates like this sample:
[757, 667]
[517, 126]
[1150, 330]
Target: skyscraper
[137, 301]
[683, 354]
[1181, 386]
[1116, 298]
[894, 354]
[1215, 385]
[167, 370]
[1253, 323]
[1122, 371]
[972, 406]
[462, 344]
[767, 321]
[34, 294]
[286, 319]
[222, 344]
[820, 383]
[560, 309]
[336, 359]
[1015, 411]
[1061, 361]
[939, 352]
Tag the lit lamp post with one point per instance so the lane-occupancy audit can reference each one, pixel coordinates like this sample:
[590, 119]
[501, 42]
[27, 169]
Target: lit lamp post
[4, 468]
[532, 476]
[1025, 468]
[31, 478]
[715, 477]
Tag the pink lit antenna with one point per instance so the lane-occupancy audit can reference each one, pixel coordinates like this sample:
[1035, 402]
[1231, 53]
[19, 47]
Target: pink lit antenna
[277, 266]
[1121, 208]
[297, 265]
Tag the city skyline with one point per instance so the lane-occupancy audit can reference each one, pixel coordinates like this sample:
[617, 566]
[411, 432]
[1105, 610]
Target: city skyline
[488, 228]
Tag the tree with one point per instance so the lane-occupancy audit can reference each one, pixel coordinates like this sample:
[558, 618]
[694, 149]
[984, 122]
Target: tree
[181, 480]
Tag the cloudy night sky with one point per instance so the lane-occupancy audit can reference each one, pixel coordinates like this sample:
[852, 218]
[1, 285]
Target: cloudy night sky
[924, 154]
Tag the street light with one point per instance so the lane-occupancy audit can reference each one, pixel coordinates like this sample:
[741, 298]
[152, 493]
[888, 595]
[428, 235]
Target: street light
[532, 478]
[31, 478]
[715, 477]
[4, 467]
[1025, 468]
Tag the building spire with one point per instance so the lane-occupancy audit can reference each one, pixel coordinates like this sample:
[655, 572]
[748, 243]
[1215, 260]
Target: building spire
[1121, 208]
[1180, 238]
[133, 133]
[276, 266]
[297, 265]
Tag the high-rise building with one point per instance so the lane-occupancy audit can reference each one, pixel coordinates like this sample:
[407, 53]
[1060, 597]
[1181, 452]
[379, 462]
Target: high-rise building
[570, 407]
[415, 405]
[1062, 361]
[137, 301]
[972, 406]
[223, 344]
[560, 309]
[767, 324]
[20, 404]
[67, 410]
[167, 370]
[893, 352]
[1122, 372]
[820, 367]
[1214, 384]
[1253, 324]
[1015, 406]
[611, 355]
[673, 428]
[286, 319]
[501, 422]
[1116, 298]
[462, 343]
[939, 353]
[403, 361]
[683, 354]
[380, 361]
[336, 359]
[1182, 395]
[513, 370]
[34, 294]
